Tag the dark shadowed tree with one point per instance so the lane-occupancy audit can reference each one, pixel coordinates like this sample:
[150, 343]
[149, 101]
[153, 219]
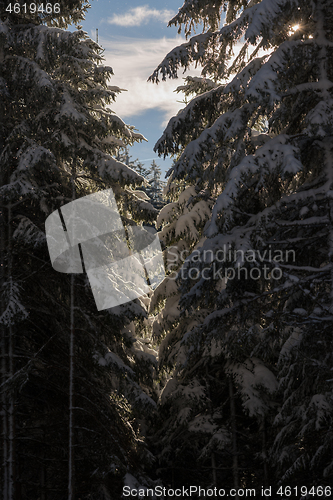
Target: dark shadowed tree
[57, 142]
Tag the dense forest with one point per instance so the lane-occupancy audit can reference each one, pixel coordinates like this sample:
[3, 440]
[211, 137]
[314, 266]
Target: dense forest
[221, 376]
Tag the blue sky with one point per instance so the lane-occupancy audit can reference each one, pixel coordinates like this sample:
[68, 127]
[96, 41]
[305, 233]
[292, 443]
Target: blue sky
[136, 38]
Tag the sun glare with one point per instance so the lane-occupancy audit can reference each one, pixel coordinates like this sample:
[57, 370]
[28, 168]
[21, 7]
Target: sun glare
[293, 29]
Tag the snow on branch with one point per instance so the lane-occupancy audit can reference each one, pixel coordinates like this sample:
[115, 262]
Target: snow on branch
[31, 71]
[256, 21]
[226, 127]
[275, 153]
[194, 11]
[264, 82]
[195, 50]
[251, 375]
[190, 120]
[108, 167]
[28, 233]
[240, 81]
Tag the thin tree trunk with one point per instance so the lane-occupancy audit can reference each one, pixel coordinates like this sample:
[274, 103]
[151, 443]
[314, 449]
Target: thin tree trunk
[235, 470]
[71, 399]
[210, 407]
[11, 426]
[173, 474]
[11, 408]
[43, 468]
[264, 452]
[71, 460]
[42, 482]
[4, 356]
[4, 353]
[214, 469]
[4, 411]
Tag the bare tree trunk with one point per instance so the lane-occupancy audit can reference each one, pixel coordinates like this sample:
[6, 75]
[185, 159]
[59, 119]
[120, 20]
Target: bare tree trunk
[173, 472]
[4, 356]
[11, 426]
[235, 470]
[42, 482]
[71, 399]
[43, 468]
[214, 469]
[71, 458]
[264, 451]
[4, 410]
[213, 460]
[11, 408]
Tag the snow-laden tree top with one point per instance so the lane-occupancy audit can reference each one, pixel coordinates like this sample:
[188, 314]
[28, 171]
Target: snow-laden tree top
[256, 24]
[56, 92]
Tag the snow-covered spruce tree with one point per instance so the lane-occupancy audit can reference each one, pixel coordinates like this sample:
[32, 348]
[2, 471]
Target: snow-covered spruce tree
[156, 186]
[143, 190]
[270, 232]
[153, 186]
[123, 155]
[58, 139]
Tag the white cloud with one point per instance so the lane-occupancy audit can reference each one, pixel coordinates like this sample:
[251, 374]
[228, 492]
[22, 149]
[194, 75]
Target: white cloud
[133, 60]
[140, 15]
